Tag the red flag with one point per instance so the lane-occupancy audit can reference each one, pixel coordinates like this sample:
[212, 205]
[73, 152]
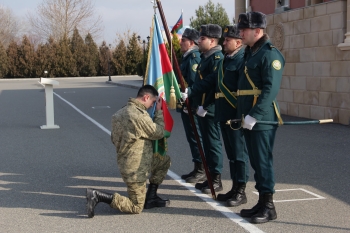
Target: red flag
[168, 120]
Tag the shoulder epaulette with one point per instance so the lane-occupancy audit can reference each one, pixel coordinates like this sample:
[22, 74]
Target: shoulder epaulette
[194, 54]
[272, 46]
[217, 57]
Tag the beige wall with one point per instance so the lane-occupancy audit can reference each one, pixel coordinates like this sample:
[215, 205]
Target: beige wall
[316, 80]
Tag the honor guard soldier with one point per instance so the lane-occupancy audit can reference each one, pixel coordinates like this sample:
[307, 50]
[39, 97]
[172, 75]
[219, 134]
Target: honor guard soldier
[211, 56]
[189, 64]
[257, 90]
[225, 107]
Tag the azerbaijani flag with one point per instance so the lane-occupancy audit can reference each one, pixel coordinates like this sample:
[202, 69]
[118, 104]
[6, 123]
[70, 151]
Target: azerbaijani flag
[178, 25]
[160, 74]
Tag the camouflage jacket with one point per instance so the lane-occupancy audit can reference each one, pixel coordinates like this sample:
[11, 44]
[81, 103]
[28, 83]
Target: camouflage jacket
[132, 133]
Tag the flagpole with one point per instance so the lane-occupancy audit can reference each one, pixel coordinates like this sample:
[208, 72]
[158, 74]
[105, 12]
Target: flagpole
[182, 16]
[190, 114]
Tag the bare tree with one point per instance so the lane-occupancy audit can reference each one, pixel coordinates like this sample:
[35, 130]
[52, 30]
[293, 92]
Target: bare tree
[59, 18]
[125, 36]
[9, 26]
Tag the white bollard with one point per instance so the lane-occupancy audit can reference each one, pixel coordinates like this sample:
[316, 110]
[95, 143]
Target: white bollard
[50, 122]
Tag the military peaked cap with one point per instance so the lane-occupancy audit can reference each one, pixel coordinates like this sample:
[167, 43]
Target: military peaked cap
[232, 31]
[252, 20]
[191, 34]
[210, 30]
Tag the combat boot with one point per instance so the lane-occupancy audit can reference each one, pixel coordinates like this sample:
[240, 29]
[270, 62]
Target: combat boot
[185, 176]
[217, 185]
[93, 197]
[198, 175]
[152, 199]
[201, 185]
[267, 212]
[239, 198]
[247, 213]
[229, 194]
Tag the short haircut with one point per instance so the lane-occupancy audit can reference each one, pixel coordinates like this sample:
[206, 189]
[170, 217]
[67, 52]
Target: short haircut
[147, 89]
[215, 39]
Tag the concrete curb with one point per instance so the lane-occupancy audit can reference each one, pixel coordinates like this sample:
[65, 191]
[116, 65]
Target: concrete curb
[123, 85]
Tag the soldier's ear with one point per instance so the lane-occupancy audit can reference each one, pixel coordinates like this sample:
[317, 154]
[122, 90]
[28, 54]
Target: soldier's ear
[257, 31]
[144, 98]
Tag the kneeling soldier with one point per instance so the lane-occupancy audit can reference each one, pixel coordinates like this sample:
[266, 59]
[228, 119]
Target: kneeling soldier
[132, 134]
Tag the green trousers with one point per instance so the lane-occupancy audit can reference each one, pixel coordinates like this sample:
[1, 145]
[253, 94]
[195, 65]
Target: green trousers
[196, 157]
[237, 153]
[260, 146]
[210, 131]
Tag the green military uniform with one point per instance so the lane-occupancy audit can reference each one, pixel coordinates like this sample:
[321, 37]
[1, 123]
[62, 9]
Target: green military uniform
[132, 133]
[189, 64]
[205, 101]
[264, 66]
[225, 109]
[258, 87]
[210, 129]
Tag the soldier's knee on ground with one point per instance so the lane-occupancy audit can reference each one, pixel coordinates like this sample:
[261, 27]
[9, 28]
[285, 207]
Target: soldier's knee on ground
[134, 203]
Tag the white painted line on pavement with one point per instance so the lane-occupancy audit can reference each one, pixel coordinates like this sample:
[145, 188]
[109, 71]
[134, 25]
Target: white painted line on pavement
[316, 196]
[216, 205]
[86, 116]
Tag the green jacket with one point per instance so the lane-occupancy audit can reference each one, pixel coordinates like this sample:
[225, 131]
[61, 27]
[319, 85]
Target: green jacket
[189, 66]
[225, 110]
[264, 65]
[202, 91]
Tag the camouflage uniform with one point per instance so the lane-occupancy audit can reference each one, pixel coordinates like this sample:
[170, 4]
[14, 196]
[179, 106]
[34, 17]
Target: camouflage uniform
[132, 133]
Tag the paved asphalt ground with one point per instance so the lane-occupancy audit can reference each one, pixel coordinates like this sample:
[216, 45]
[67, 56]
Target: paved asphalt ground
[44, 173]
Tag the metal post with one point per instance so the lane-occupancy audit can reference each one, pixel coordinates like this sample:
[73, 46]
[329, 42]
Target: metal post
[144, 61]
[109, 60]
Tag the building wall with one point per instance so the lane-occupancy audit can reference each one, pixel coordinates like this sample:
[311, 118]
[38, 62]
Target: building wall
[293, 4]
[266, 6]
[316, 79]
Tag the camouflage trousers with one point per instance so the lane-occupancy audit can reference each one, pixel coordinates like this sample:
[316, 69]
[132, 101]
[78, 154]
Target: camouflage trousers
[135, 201]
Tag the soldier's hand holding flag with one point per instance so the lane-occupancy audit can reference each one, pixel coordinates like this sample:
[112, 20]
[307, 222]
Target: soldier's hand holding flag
[159, 103]
[184, 95]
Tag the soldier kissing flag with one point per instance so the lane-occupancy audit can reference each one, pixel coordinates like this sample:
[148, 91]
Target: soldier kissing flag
[160, 74]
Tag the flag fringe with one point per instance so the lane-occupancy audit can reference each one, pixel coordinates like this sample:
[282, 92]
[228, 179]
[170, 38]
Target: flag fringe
[172, 101]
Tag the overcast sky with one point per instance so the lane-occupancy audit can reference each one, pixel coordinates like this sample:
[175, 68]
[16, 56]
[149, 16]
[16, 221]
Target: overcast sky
[120, 15]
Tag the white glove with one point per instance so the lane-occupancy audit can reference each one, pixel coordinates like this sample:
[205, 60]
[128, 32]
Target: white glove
[184, 95]
[201, 112]
[185, 110]
[249, 122]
